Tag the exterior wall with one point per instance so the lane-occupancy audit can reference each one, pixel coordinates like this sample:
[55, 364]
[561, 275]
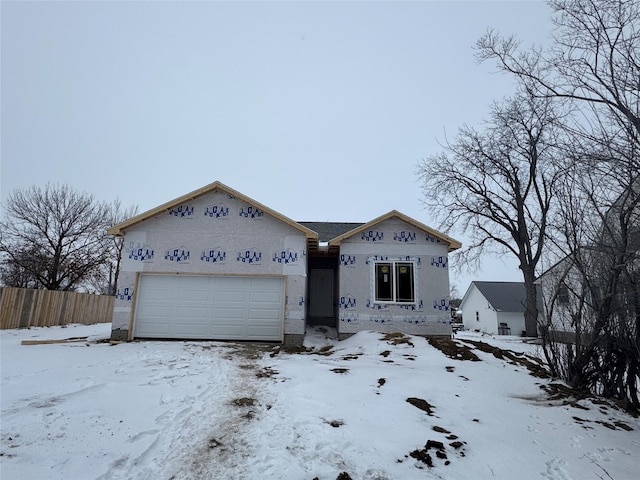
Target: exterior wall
[214, 234]
[514, 320]
[473, 302]
[393, 240]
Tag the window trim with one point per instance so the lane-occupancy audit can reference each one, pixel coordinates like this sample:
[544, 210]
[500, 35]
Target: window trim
[394, 285]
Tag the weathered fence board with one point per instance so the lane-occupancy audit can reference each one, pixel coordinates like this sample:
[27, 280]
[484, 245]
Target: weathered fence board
[23, 307]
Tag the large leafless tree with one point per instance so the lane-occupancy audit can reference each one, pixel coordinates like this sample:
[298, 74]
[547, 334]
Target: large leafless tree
[497, 186]
[53, 238]
[594, 58]
[593, 292]
[592, 66]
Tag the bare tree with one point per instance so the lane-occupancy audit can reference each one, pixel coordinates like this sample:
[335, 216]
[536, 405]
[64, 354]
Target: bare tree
[594, 59]
[592, 296]
[55, 238]
[497, 185]
[593, 67]
[117, 214]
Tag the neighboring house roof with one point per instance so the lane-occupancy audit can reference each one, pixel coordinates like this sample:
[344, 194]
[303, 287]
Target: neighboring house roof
[453, 244]
[119, 229]
[504, 296]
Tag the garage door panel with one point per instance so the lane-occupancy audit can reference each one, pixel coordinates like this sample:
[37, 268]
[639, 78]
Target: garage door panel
[209, 307]
[263, 313]
[229, 331]
[266, 297]
[229, 296]
[160, 294]
[193, 296]
[189, 330]
[193, 312]
[260, 331]
[158, 329]
[157, 311]
[223, 314]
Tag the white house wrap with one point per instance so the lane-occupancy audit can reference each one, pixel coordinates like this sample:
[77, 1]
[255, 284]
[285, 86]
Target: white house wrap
[215, 264]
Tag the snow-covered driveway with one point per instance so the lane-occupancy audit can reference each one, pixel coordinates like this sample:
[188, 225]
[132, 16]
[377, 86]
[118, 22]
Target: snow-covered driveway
[370, 407]
[139, 410]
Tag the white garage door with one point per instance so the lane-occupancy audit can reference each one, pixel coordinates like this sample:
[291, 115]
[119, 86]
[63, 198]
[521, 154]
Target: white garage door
[209, 307]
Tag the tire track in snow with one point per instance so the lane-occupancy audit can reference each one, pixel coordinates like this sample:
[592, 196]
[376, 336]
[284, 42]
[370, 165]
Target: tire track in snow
[196, 437]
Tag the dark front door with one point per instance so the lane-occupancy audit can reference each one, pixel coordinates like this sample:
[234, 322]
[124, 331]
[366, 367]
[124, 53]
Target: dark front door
[322, 297]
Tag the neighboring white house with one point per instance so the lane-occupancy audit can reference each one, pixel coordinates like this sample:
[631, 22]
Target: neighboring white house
[494, 308]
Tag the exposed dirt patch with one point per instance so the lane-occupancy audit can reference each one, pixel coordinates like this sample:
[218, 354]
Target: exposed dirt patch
[453, 349]
[340, 370]
[440, 429]
[386, 353]
[397, 338]
[214, 443]
[613, 424]
[326, 350]
[333, 423]
[266, 372]
[352, 357]
[437, 448]
[421, 404]
[567, 395]
[250, 350]
[244, 402]
[534, 365]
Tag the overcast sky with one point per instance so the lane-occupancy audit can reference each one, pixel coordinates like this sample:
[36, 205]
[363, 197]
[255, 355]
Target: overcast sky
[319, 110]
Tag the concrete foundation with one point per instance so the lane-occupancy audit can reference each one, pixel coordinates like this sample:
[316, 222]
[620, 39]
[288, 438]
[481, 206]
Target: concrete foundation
[119, 335]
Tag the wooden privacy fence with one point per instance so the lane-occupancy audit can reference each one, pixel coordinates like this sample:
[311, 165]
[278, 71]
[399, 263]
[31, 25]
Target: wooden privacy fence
[25, 307]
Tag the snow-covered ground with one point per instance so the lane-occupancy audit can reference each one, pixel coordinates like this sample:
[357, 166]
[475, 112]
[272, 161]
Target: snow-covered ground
[215, 410]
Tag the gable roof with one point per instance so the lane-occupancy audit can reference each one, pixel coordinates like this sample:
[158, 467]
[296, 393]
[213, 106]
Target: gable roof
[452, 244]
[329, 230]
[505, 296]
[119, 229]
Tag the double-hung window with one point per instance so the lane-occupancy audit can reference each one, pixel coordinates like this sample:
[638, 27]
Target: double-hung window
[394, 282]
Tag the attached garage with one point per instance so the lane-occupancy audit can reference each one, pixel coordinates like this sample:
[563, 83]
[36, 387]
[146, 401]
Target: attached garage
[209, 307]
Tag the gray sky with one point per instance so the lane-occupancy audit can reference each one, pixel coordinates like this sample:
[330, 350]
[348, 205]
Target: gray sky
[319, 110]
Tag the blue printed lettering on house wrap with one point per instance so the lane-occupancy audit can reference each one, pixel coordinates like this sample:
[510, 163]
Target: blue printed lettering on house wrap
[251, 256]
[413, 307]
[383, 320]
[440, 262]
[432, 239]
[215, 255]
[404, 236]
[409, 258]
[349, 317]
[376, 306]
[377, 258]
[441, 304]
[347, 302]
[125, 294]
[415, 320]
[183, 211]
[179, 254]
[217, 211]
[372, 236]
[347, 260]
[141, 253]
[251, 212]
[285, 256]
